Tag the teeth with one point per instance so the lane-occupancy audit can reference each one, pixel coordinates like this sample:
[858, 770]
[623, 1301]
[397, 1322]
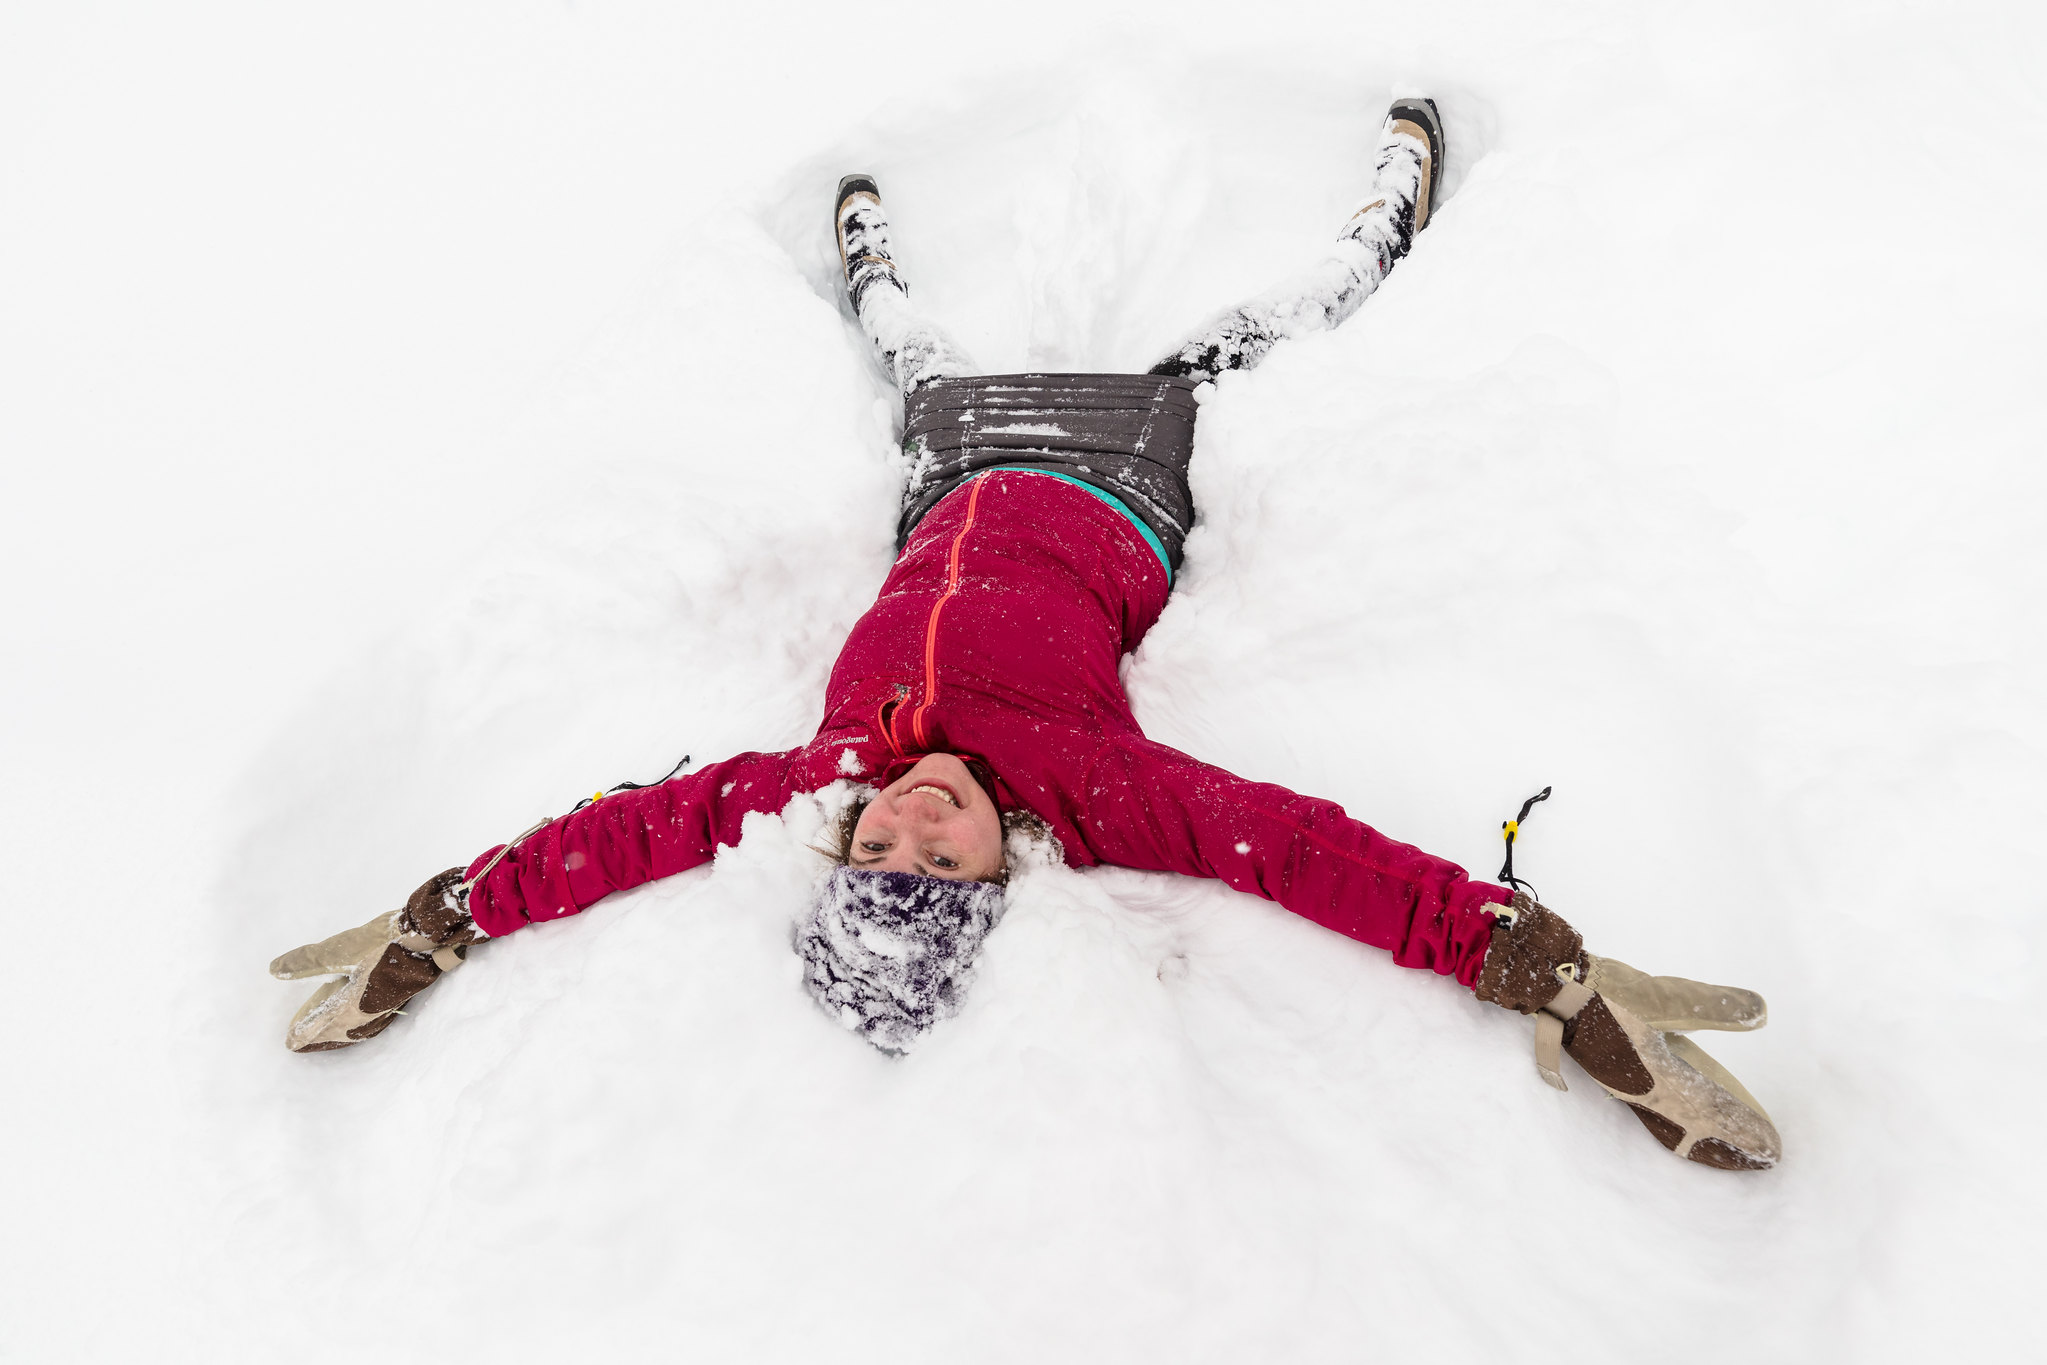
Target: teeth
[938, 792]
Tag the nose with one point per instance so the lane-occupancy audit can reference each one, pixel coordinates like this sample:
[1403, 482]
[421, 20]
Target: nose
[920, 811]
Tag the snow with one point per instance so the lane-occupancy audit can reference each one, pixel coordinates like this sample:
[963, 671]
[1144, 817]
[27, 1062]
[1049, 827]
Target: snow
[418, 417]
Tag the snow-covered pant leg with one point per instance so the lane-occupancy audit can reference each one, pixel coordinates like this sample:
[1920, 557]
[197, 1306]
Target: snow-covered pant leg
[913, 347]
[1376, 236]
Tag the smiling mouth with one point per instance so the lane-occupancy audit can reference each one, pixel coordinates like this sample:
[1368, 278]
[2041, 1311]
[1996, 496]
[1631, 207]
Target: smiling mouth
[926, 789]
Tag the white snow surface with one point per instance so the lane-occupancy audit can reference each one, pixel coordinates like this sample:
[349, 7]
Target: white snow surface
[418, 416]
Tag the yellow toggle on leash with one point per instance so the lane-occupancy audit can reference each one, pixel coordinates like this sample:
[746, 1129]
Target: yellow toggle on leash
[595, 797]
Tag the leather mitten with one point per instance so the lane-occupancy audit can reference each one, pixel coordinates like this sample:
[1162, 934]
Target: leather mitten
[382, 965]
[1626, 1029]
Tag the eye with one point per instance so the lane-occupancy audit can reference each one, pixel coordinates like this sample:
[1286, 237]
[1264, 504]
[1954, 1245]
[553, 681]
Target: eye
[946, 863]
[872, 847]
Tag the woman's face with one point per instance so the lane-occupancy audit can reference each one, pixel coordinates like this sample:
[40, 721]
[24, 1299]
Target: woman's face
[933, 820]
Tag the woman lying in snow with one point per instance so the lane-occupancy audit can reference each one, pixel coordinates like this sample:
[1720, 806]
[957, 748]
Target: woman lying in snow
[1041, 527]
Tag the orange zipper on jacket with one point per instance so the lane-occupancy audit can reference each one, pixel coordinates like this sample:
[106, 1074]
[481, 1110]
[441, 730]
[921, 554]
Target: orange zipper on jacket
[952, 585]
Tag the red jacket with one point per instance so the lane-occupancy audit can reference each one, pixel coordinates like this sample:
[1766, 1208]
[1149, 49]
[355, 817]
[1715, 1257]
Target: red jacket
[997, 634]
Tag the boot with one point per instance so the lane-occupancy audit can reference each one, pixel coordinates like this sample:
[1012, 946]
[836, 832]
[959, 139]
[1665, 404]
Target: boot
[1626, 1029]
[382, 965]
[1404, 183]
[865, 258]
[1417, 118]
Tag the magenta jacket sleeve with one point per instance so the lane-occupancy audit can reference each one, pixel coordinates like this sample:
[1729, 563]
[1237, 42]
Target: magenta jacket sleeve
[625, 839]
[1151, 807]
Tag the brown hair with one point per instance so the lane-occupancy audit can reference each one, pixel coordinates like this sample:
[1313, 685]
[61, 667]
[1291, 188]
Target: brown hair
[838, 837]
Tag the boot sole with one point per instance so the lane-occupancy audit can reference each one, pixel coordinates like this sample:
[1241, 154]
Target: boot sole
[850, 185]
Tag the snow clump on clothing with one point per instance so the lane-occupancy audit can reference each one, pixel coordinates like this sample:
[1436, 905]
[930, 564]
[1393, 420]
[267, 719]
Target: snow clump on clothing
[889, 954]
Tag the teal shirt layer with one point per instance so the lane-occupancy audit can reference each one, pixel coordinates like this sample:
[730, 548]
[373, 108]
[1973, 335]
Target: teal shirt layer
[1151, 537]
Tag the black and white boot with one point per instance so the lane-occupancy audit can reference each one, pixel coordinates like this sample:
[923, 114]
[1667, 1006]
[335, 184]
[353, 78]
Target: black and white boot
[1404, 181]
[864, 255]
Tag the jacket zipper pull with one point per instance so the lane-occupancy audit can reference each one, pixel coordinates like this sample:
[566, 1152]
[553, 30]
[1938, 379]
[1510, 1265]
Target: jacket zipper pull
[887, 715]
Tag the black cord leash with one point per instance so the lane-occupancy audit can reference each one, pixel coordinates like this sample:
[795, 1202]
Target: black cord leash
[595, 797]
[543, 823]
[1513, 829]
